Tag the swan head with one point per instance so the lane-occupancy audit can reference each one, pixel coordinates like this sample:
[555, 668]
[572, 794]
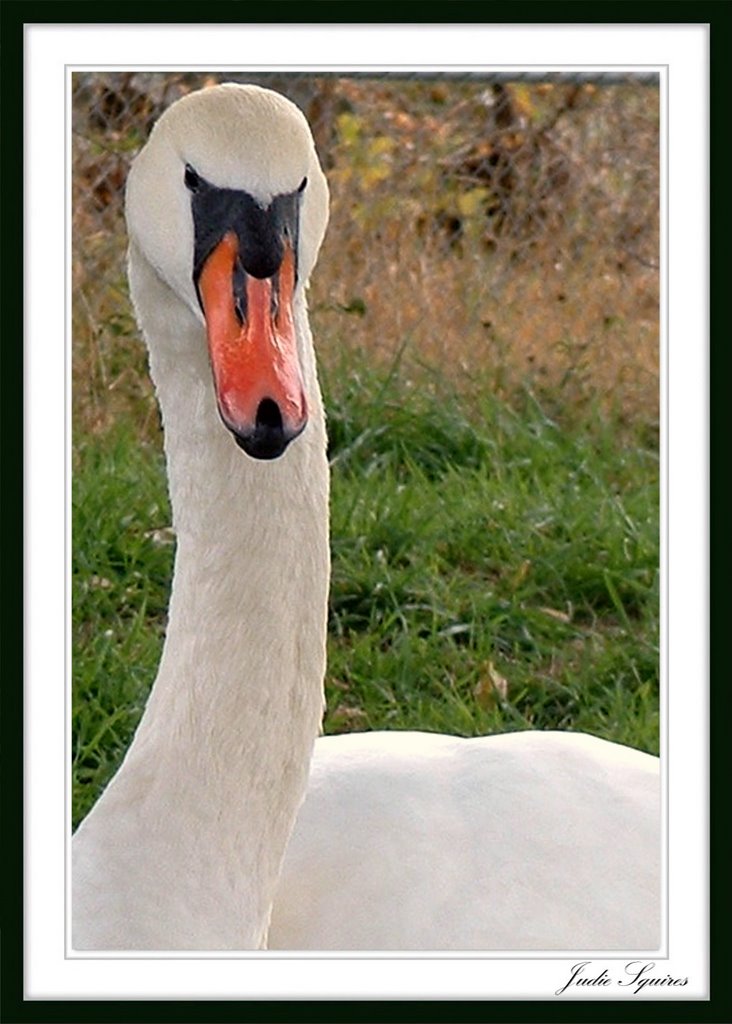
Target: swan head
[228, 203]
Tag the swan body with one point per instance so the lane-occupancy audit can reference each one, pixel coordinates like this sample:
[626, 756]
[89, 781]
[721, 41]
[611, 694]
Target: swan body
[405, 840]
[523, 841]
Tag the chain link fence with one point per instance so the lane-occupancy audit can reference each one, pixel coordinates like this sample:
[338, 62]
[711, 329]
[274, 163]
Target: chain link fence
[502, 229]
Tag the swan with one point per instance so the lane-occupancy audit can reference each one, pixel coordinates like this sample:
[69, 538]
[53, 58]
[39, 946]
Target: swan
[231, 825]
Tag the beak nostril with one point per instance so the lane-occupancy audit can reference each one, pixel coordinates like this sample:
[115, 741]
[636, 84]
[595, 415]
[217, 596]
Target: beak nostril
[269, 415]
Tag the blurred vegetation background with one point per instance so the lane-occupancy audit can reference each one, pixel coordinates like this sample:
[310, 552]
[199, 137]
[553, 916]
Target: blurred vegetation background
[486, 315]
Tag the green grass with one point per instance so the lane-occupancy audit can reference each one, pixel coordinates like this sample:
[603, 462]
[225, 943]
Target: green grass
[492, 570]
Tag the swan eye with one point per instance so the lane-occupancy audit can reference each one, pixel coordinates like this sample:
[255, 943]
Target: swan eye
[192, 179]
[303, 183]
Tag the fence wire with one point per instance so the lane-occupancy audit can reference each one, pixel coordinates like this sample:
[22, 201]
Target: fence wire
[500, 227]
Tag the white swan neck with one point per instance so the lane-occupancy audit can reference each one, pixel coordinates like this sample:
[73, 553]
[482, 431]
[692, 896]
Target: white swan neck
[238, 698]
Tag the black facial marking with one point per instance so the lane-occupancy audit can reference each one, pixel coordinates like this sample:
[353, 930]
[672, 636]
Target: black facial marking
[261, 233]
[191, 178]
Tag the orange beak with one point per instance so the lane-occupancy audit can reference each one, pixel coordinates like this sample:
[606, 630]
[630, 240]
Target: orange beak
[253, 350]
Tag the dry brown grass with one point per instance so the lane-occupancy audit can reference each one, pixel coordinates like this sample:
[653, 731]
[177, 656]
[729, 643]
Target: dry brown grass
[583, 334]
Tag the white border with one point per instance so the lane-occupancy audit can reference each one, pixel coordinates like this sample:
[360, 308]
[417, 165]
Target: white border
[49, 50]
